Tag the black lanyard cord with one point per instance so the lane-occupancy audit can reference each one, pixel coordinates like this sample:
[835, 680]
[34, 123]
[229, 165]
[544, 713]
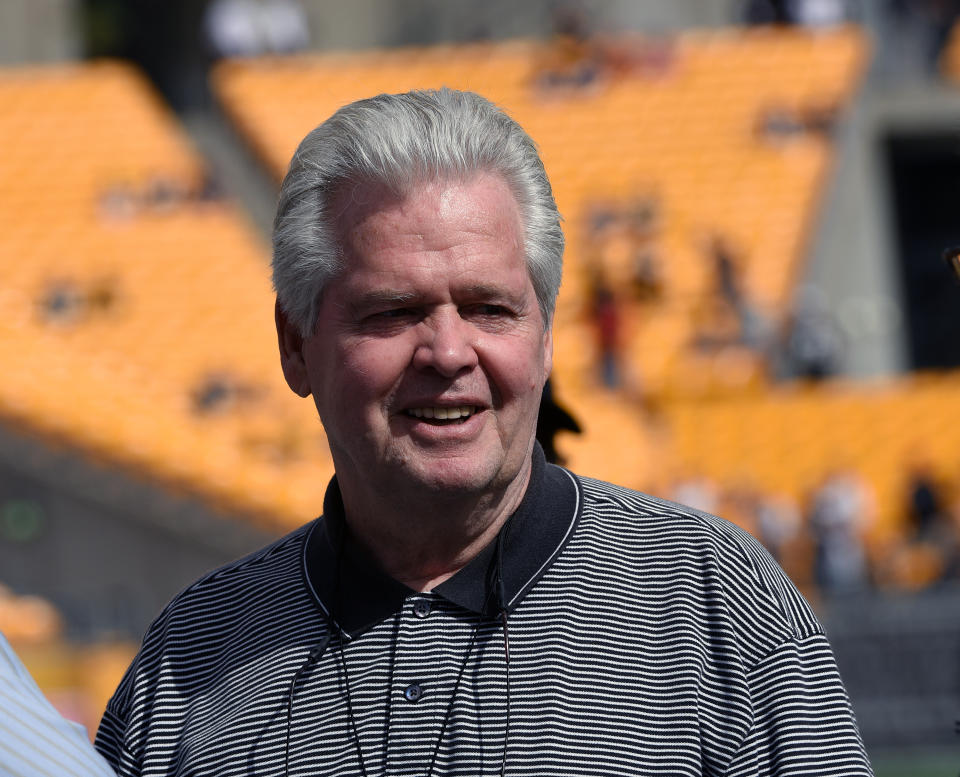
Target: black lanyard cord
[315, 655]
[350, 718]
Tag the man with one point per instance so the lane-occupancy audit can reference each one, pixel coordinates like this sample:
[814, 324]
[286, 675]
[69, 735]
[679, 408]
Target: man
[462, 607]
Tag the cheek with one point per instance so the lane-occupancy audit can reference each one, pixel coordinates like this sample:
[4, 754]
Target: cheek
[519, 373]
[370, 369]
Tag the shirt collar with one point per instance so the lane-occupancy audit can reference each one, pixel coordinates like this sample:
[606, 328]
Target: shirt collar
[532, 538]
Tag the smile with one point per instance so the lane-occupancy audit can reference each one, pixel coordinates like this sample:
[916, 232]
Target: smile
[443, 413]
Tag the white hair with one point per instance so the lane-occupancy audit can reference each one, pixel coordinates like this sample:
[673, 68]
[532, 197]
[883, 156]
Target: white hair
[398, 141]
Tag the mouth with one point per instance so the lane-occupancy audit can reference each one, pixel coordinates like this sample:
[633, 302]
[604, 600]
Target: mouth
[442, 416]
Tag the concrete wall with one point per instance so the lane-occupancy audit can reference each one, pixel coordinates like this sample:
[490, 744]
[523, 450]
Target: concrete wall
[853, 257]
[372, 23]
[107, 549]
[38, 31]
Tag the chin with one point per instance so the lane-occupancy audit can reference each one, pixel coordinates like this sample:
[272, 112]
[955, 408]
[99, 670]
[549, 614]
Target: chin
[455, 478]
[454, 483]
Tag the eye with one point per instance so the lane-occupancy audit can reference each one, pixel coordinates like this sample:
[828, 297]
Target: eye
[393, 313]
[389, 320]
[488, 310]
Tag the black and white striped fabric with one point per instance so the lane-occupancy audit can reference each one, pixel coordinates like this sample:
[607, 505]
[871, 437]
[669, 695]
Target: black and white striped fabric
[645, 638]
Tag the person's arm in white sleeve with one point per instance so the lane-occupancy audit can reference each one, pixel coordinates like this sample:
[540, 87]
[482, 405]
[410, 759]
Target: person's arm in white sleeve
[35, 739]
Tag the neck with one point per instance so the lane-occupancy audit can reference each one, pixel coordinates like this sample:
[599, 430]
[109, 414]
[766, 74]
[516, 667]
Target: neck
[423, 541]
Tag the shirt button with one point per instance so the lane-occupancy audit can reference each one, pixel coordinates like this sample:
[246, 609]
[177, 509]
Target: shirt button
[421, 608]
[413, 692]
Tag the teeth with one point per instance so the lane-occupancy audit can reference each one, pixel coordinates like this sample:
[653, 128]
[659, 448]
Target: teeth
[442, 413]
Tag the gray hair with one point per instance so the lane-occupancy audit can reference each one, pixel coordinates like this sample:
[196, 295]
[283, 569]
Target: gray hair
[398, 141]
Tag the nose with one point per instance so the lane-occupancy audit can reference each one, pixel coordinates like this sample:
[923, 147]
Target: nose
[447, 345]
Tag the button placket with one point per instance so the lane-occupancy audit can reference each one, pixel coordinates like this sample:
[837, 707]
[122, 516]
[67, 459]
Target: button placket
[420, 682]
[421, 610]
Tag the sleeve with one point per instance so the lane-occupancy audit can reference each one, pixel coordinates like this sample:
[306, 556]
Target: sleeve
[803, 723]
[113, 733]
[35, 740]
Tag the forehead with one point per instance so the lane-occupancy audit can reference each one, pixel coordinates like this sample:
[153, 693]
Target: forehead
[431, 216]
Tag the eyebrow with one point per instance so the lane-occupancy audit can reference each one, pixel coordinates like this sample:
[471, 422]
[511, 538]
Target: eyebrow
[381, 298]
[493, 292]
[386, 298]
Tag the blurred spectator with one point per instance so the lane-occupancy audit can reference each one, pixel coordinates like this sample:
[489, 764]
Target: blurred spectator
[781, 124]
[818, 13]
[576, 57]
[211, 188]
[777, 521]
[601, 218]
[821, 117]
[729, 289]
[925, 509]
[222, 392]
[778, 123]
[572, 59]
[605, 316]
[646, 276]
[840, 510]
[163, 194]
[643, 217]
[67, 302]
[933, 551]
[119, 202]
[726, 271]
[643, 56]
[808, 13]
[643, 230]
[62, 302]
[813, 345]
[247, 28]
[697, 491]
[160, 193]
[766, 12]
[102, 295]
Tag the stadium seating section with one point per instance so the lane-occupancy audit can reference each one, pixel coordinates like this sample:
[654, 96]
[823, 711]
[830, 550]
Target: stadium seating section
[138, 310]
[137, 314]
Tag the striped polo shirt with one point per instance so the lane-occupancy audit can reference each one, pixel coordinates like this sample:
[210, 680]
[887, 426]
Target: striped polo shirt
[640, 637]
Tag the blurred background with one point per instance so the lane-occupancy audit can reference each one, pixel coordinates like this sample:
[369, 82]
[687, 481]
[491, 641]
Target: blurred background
[755, 316]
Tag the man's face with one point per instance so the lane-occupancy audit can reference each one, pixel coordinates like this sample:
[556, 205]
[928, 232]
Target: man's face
[430, 352]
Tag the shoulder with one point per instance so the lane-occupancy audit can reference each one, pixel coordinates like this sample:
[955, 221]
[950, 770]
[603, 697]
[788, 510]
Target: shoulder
[662, 523]
[227, 600]
[700, 557]
[215, 615]
[216, 627]
[280, 560]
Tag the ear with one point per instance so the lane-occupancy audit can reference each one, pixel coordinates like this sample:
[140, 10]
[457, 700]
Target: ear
[291, 353]
[547, 352]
